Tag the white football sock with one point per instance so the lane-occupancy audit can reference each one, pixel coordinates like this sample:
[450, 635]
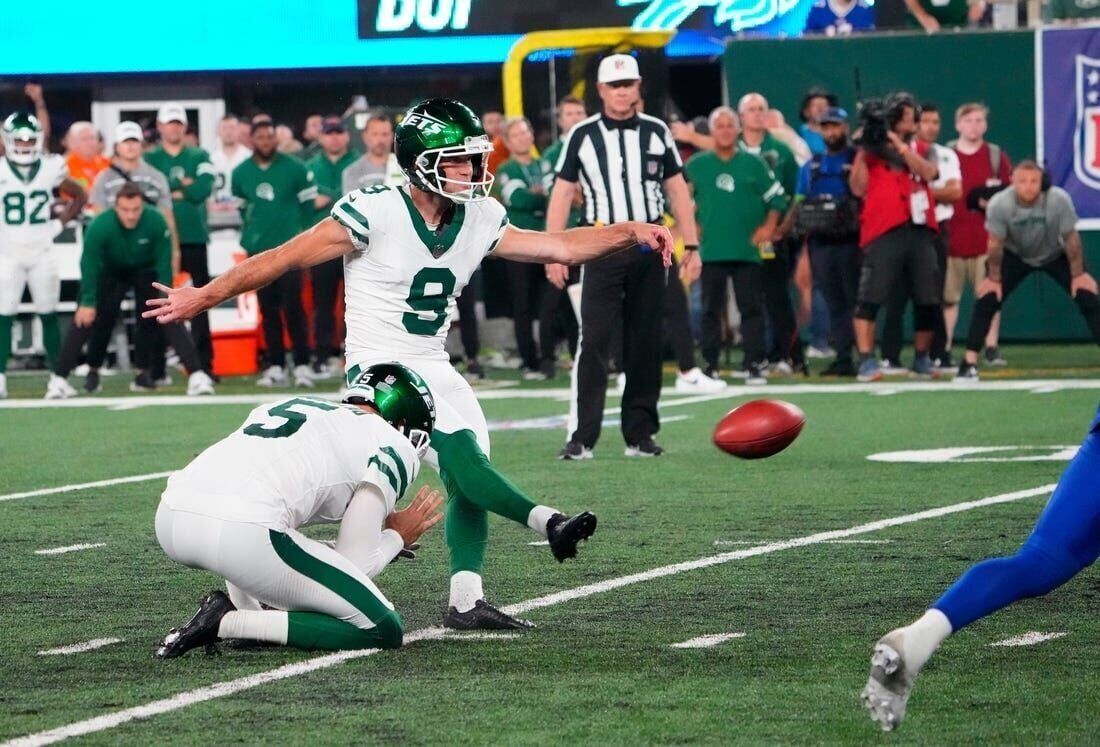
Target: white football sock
[267, 625]
[539, 516]
[923, 637]
[465, 590]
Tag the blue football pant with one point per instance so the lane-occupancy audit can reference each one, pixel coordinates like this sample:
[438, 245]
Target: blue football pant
[1066, 539]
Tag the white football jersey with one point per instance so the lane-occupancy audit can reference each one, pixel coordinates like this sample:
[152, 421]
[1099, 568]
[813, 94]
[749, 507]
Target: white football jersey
[294, 463]
[26, 194]
[401, 282]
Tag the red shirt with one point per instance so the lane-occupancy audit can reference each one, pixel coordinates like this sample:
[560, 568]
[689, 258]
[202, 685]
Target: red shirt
[967, 236]
[887, 202]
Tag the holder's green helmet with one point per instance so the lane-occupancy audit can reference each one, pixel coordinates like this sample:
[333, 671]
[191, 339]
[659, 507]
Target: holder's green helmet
[401, 398]
[437, 129]
[19, 129]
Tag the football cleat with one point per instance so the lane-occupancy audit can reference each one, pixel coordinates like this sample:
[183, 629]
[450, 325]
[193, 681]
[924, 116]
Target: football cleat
[200, 630]
[483, 616]
[644, 448]
[564, 532]
[887, 691]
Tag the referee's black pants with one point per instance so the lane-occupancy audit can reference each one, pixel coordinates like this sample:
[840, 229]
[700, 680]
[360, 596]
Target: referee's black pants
[1013, 272]
[748, 292]
[281, 300]
[633, 282]
[193, 262]
[777, 275]
[527, 282]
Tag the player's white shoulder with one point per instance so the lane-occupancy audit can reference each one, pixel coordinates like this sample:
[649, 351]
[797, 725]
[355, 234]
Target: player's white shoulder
[488, 219]
[394, 466]
[53, 169]
[364, 211]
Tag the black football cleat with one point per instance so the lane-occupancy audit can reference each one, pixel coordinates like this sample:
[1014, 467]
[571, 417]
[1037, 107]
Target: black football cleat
[483, 616]
[564, 532]
[200, 630]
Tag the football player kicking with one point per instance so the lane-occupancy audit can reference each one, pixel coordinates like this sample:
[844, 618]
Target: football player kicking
[1065, 541]
[237, 508]
[29, 181]
[408, 253]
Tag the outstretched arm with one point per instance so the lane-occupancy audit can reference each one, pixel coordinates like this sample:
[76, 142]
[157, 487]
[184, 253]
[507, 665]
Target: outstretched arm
[327, 240]
[579, 245]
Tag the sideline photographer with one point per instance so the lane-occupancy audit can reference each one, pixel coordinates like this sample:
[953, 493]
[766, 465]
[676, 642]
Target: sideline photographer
[897, 227]
[827, 214]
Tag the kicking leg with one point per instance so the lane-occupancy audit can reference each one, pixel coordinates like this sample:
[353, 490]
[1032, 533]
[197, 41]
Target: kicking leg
[1066, 539]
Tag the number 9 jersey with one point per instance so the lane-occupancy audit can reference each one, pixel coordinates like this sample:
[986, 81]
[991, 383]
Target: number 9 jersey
[401, 281]
[26, 194]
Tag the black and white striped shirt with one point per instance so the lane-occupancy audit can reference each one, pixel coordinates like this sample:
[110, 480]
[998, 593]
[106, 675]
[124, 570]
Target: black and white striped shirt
[621, 166]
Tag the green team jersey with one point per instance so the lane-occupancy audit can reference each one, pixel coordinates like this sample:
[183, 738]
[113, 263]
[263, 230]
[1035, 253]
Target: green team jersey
[1067, 9]
[328, 176]
[109, 246]
[278, 201]
[550, 157]
[190, 211]
[522, 190]
[732, 199]
[947, 12]
[778, 157]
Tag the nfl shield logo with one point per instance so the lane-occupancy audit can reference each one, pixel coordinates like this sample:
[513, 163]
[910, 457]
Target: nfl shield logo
[652, 166]
[1086, 138]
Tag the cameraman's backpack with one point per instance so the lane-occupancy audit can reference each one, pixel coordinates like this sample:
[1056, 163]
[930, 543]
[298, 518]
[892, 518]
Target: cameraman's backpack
[833, 219]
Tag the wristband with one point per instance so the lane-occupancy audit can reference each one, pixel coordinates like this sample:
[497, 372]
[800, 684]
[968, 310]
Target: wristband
[691, 247]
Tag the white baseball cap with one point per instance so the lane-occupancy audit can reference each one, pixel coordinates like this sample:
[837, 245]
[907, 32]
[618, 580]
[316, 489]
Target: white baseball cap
[129, 131]
[618, 67]
[172, 112]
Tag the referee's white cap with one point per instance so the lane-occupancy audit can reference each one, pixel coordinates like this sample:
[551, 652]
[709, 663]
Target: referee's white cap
[616, 67]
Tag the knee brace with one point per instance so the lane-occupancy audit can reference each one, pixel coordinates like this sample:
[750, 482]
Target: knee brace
[866, 311]
[924, 317]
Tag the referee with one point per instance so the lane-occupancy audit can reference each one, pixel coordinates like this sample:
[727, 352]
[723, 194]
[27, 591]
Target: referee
[625, 162]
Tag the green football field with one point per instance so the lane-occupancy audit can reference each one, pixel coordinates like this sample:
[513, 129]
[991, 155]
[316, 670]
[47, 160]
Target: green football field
[801, 560]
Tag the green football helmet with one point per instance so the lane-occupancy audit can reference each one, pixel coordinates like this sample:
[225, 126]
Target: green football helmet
[401, 398]
[18, 130]
[437, 129]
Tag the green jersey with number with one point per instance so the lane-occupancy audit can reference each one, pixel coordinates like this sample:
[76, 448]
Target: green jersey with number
[294, 463]
[401, 282]
[26, 194]
[522, 190]
[190, 211]
[278, 201]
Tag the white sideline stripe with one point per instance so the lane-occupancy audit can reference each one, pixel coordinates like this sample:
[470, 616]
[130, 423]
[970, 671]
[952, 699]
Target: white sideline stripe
[707, 641]
[727, 543]
[70, 548]
[85, 486]
[79, 648]
[220, 689]
[540, 543]
[481, 636]
[1029, 639]
[733, 392]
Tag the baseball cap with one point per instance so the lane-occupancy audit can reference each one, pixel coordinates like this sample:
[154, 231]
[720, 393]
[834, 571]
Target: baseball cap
[834, 115]
[172, 112]
[332, 123]
[618, 67]
[128, 131]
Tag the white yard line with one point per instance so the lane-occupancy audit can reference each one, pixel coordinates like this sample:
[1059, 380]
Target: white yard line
[727, 543]
[707, 641]
[1028, 639]
[79, 648]
[70, 548]
[221, 689]
[85, 486]
[481, 636]
[1039, 386]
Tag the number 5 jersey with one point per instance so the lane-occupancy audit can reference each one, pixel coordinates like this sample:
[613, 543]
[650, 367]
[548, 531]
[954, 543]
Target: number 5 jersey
[403, 277]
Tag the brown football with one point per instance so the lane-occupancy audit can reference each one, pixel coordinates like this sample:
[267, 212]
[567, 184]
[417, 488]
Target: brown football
[759, 428]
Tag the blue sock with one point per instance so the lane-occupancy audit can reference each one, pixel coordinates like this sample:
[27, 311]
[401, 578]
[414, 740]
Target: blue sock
[1066, 539]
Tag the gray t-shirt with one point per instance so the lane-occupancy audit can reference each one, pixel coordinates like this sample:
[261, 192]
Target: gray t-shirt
[1035, 232]
[152, 182]
[362, 173]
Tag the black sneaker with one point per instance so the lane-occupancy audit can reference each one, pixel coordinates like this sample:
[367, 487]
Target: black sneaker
[483, 616]
[840, 368]
[549, 370]
[993, 357]
[945, 363]
[644, 448]
[968, 373]
[91, 381]
[200, 630]
[564, 532]
[474, 370]
[143, 382]
[575, 451]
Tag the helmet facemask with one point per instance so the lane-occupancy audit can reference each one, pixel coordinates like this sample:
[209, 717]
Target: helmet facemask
[477, 148]
[23, 147]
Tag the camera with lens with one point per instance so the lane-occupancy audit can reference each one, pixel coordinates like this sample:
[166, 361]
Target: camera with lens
[877, 117]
